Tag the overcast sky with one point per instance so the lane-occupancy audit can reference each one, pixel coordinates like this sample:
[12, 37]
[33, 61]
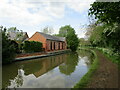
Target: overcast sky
[33, 15]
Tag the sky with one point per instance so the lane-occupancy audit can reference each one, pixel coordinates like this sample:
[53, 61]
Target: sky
[33, 15]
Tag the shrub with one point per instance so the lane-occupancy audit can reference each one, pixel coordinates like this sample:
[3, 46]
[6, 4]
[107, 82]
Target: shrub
[32, 46]
[8, 49]
[16, 46]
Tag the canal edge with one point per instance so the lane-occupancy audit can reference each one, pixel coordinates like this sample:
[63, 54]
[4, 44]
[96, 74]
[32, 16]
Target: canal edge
[41, 56]
[87, 77]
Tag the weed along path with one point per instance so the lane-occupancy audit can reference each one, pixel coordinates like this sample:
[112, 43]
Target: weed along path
[106, 76]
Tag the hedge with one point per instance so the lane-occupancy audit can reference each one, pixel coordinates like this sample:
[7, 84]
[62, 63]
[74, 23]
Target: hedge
[32, 46]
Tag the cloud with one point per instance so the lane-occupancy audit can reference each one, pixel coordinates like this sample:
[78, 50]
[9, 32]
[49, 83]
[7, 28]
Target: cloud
[19, 13]
[32, 12]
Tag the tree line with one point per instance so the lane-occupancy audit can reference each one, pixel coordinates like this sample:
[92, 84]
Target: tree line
[104, 30]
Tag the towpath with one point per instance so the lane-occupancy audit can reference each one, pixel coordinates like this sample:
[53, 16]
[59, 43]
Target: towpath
[106, 76]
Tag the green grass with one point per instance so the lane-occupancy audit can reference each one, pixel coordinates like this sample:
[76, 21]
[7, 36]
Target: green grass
[87, 77]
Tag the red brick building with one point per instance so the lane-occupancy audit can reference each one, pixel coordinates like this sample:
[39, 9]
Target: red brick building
[50, 43]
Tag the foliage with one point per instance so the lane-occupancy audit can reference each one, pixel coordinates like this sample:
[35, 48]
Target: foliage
[106, 36]
[114, 57]
[83, 42]
[95, 37]
[72, 40]
[86, 78]
[64, 30]
[16, 46]
[107, 12]
[32, 46]
[8, 49]
[18, 34]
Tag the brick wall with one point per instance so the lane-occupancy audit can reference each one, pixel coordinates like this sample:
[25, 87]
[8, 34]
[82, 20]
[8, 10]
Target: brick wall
[38, 37]
[48, 44]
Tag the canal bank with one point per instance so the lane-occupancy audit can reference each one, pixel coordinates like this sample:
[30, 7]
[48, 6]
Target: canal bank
[87, 77]
[107, 74]
[47, 54]
[99, 74]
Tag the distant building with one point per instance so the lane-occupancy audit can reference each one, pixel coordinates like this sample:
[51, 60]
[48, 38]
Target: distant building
[50, 43]
[14, 36]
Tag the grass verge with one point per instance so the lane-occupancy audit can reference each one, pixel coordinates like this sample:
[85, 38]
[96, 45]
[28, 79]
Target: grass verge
[87, 77]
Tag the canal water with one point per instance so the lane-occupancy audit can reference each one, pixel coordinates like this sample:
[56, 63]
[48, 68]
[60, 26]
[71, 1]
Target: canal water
[60, 71]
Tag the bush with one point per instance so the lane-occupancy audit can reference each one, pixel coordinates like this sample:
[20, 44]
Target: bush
[32, 46]
[16, 46]
[8, 49]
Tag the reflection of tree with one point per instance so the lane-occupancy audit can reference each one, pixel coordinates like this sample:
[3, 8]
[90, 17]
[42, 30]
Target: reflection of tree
[87, 55]
[19, 79]
[9, 72]
[69, 66]
[84, 53]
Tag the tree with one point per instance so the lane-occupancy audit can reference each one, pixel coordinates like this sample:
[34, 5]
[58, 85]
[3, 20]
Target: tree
[83, 42]
[107, 34]
[107, 12]
[8, 49]
[72, 40]
[18, 34]
[64, 30]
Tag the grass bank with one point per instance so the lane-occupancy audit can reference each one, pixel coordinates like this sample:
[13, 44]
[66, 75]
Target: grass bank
[87, 77]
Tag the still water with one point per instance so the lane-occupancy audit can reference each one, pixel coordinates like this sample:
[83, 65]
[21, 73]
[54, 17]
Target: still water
[60, 71]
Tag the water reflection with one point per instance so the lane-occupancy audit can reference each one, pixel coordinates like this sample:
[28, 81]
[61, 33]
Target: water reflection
[69, 65]
[18, 80]
[57, 71]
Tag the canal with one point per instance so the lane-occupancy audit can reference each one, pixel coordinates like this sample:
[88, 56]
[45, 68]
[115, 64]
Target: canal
[60, 71]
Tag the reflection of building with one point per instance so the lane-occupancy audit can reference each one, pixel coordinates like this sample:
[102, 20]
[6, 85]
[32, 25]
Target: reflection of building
[50, 63]
[49, 42]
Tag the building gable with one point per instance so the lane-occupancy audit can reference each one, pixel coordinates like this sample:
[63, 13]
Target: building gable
[38, 37]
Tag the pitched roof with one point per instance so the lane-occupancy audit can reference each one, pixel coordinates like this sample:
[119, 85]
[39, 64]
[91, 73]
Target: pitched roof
[12, 35]
[50, 37]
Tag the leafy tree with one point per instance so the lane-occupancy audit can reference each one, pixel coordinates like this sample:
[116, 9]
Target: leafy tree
[107, 34]
[72, 40]
[64, 30]
[84, 42]
[8, 49]
[107, 12]
[18, 34]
